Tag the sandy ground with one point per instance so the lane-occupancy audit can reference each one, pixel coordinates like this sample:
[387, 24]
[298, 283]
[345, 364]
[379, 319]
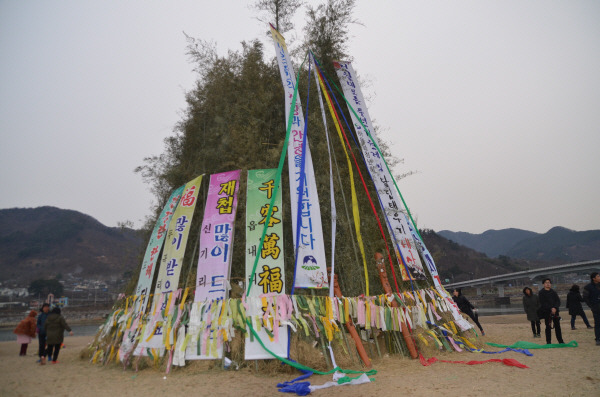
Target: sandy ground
[551, 372]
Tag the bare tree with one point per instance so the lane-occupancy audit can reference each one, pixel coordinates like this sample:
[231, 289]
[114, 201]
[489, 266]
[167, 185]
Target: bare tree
[278, 12]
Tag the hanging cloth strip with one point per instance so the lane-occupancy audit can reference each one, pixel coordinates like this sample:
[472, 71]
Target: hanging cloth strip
[399, 253]
[378, 150]
[331, 189]
[355, 210]
[334, 114]
[368, 167]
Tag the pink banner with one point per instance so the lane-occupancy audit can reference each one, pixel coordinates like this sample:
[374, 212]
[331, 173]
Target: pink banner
[216, 237]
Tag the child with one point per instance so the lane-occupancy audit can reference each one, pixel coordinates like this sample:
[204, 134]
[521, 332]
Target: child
[26, 331]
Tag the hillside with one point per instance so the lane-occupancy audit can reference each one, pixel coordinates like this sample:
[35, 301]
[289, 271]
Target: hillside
[493, 243]
[558, 245]
[456, 262]
[47, 241]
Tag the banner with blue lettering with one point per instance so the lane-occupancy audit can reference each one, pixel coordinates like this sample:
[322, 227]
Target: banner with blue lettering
[396, 221]
[311, 269]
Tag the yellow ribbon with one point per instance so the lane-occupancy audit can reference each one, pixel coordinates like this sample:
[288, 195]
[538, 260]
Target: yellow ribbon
[95, 357]
[154, 330]
[185, 294]
[355, 210]
[185, 342]
[435, 338]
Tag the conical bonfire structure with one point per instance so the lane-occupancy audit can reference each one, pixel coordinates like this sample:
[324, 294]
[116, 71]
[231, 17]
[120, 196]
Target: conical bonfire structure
[239, 268]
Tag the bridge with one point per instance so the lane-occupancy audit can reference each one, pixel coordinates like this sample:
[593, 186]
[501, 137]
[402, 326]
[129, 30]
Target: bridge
[530, 274]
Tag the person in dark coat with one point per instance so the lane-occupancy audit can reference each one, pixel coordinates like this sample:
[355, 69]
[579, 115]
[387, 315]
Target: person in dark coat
[549, 304]
[531, 305]
[574, 300]
[25, 332]
[591, 295]
[55, 330]
[466, 307]
[41, 320]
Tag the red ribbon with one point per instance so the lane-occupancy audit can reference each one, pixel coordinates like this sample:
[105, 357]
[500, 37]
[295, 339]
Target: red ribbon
[506, 361]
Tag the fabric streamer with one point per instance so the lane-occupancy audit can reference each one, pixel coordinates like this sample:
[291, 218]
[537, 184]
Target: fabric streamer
[447, 334]
[506, 361]
[295, 386]
[305, 388]
[301, 367]
[341, 380]
[508, 349]
[530, 345]
[355, 210]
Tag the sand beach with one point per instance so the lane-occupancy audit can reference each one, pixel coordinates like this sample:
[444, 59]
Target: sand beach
[551, 372]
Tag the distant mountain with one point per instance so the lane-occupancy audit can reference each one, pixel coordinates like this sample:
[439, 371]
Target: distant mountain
[491, 242]
[48, 241]
[557, 245]
[457, 262]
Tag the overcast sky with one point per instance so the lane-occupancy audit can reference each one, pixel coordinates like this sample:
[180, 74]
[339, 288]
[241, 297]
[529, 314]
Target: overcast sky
[496, 104]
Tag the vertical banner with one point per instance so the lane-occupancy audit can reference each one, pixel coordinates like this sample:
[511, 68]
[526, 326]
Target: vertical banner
[311, 269]
[170, 268]
[216, 237]
[154, 245]
[269, 278]
[214, 260]
[147, 271]
[177, 237]
[388, 196]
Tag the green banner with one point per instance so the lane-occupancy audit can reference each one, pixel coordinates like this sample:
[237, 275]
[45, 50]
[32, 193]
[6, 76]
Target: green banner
[269, 277]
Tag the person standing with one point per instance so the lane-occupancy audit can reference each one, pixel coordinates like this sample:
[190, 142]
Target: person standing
[531, 305]
[466, 307]
[26, 332]
[591, 295]
[55, 331]
[574, 300]
[549, 305]
[41, 320]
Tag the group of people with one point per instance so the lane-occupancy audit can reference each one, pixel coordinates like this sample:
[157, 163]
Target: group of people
[545, 305]
[50, 328]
